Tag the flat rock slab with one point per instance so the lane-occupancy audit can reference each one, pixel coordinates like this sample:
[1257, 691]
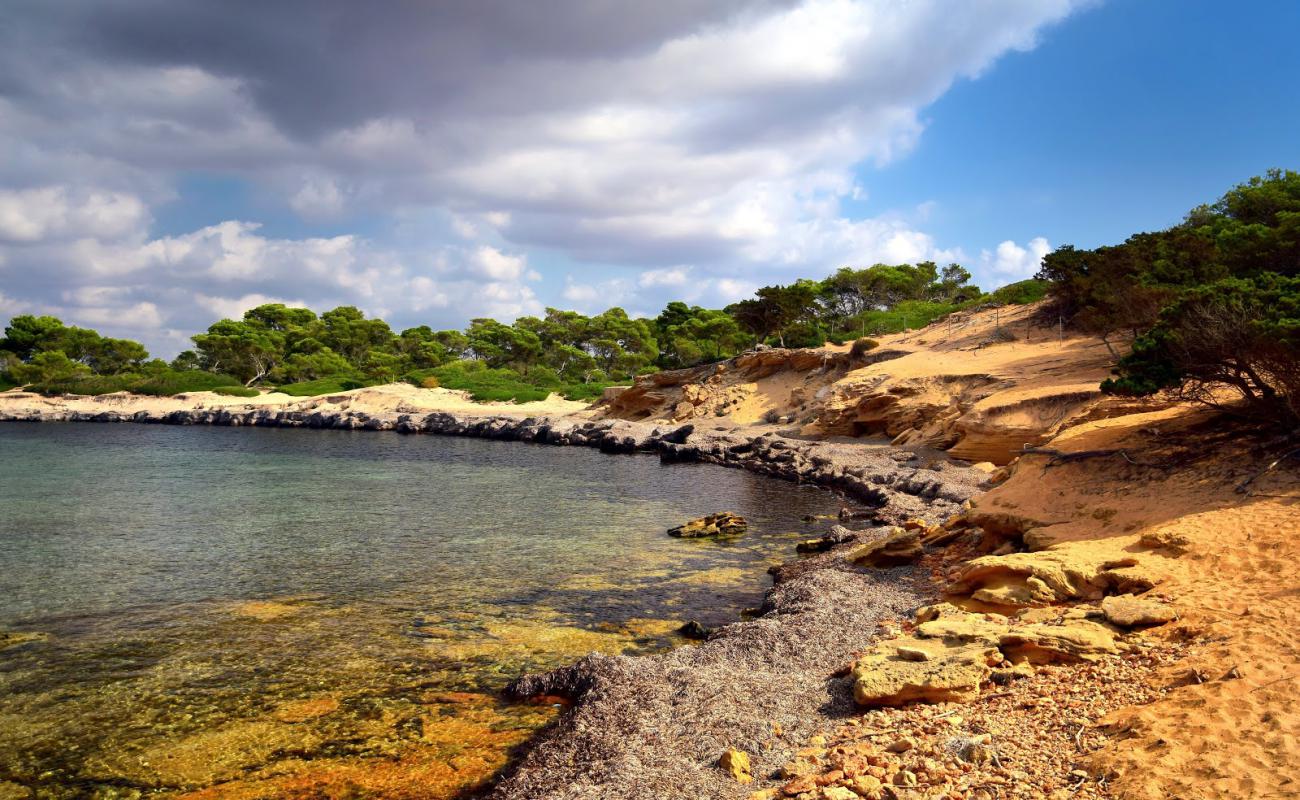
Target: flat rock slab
[1129, 611]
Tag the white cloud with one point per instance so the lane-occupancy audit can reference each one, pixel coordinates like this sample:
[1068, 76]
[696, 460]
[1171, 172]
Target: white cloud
[1010, 262]
[668, 276]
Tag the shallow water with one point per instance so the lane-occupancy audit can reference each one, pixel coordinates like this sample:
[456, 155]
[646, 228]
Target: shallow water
[290, 613]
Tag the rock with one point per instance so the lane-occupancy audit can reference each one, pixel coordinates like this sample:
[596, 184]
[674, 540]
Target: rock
[723, 523]
[765, 794]
[736, 764]
[1128, 611]
[695, 630]
[1004, 675]
[867, 785]
[913, 653]
[1058, 575]
[897, 548]
[901, 745]
[839, 793]
[905, 777]
[882, 678]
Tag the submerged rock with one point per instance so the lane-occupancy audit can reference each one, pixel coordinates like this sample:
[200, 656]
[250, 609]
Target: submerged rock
[723, 523]
[695, 630]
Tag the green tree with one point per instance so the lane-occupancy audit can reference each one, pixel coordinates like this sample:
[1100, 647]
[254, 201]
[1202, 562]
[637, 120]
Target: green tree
[244, 349]
[48, 366]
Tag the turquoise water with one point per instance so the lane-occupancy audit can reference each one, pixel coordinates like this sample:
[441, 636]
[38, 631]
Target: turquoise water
[213, 608]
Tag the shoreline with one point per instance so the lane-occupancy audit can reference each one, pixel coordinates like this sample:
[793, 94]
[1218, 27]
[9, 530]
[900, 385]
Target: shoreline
[895, 482]
[656, 724]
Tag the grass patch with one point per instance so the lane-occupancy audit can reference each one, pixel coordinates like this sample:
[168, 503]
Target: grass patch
[236, 391]
[331, 385]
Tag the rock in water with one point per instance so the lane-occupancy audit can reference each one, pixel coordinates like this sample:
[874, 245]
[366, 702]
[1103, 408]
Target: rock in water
[695, 630]
[724, 523]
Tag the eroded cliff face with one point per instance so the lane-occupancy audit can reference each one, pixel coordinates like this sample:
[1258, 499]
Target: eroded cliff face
[982, 385]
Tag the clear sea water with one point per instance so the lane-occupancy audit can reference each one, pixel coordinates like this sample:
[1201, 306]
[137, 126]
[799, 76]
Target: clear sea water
[221, 612]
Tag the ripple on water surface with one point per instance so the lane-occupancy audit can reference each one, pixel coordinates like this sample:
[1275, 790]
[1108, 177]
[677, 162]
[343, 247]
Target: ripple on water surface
[287, 613]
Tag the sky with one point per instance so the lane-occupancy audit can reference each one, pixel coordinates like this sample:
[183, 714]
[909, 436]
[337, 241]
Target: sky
[166, 163]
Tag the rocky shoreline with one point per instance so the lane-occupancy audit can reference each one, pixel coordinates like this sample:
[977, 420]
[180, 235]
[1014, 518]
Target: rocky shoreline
[655, 726]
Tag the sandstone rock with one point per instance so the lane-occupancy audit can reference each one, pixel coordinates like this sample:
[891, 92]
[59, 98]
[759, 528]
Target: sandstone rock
[723, 523]
[896, 548]
[1128, 611]
[1050, 576]
[901, 745]
[839, 793]
[736, 764]
[882, 678]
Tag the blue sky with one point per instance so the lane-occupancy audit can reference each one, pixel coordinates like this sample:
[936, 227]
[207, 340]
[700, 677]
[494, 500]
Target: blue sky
[1121, 120]
[432, 163]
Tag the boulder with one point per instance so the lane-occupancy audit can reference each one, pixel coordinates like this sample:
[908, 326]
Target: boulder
[891, 550]
[723, 523]
[1128, 611]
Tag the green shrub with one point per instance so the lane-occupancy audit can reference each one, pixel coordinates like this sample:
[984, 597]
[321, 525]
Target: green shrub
[589, 392]
[907, 315]
[862, 346]
[236, 391]
[1021, 293]
[331, 385]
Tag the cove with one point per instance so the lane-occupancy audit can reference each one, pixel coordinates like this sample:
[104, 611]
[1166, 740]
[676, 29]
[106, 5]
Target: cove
[217, 612]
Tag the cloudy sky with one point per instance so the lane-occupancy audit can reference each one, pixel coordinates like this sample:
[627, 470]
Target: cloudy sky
[164, 163]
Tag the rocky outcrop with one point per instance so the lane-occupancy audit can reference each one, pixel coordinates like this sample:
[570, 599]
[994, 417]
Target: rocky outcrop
[952, 654]
[1058, 575]
[723, 523]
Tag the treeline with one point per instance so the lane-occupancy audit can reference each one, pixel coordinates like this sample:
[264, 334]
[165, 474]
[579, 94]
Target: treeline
[300, 352]
[1208, 305]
